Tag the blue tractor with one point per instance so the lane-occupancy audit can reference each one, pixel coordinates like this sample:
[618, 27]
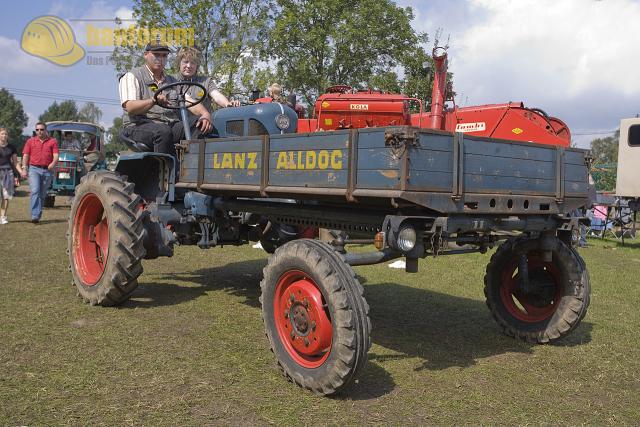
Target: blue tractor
[81, 153]
[408, 192]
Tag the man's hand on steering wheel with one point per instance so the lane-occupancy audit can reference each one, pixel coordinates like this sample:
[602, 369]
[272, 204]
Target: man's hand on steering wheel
[161, 100]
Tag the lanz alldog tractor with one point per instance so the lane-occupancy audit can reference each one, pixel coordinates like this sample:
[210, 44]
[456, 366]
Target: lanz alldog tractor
[413, 191]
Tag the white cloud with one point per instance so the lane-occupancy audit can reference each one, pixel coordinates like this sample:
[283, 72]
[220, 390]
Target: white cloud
[31, 122]
[17, 62]
[576, 59]
[100, 15]
[563, 48]
[124, 13]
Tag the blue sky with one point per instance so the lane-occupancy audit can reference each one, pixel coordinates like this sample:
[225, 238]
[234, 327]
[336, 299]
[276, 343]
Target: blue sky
[22, 71]
[576, 59]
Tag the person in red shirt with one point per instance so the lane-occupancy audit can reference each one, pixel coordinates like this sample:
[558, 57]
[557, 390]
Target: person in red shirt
[39, 157]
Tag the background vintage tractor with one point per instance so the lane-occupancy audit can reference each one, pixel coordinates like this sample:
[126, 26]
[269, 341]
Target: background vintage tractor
[74, 164]
[412, 191]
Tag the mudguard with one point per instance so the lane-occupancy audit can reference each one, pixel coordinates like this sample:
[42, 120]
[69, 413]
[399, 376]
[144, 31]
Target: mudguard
[153, 175]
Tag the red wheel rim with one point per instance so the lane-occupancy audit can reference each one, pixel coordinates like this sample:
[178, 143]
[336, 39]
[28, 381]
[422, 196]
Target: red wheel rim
[302, 319]
[524, 307]
[90, 239]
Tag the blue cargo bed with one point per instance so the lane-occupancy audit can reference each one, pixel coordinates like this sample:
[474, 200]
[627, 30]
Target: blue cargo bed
[441, 171]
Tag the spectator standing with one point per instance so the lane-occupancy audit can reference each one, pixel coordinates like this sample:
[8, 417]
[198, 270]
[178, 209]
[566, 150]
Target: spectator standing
[10, 172]
[39, 157]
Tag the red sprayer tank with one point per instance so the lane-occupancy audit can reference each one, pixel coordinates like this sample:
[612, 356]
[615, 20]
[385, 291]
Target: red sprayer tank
[344, 108]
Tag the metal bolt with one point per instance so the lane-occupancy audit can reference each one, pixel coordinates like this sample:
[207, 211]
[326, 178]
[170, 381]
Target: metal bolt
[306, 342]
[293, 335]
[286, 314]
[292, 298]
[313, 325]
[305, 302]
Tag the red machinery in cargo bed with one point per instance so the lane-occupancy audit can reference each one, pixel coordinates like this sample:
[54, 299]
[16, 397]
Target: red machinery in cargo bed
[344, 108]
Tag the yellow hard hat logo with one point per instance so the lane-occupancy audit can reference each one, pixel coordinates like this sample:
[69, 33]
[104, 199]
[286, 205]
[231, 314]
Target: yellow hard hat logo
[51, 38]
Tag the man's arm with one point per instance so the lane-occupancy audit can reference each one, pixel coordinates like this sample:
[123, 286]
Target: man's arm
[204, 122]
[138, 106]
[25, 165]
[53, 163]
[26, 151]
[222, 100]
[128, 89]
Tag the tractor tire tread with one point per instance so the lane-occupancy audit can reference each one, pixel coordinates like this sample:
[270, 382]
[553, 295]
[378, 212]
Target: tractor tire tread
[571, 309]
[124, 261]
[350, 316]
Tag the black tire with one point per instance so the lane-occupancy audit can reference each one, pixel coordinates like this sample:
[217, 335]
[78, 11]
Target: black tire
[269, 242]
[105, 217]
[587, 283]
[49, 201]
[560, 291]
[314, 263]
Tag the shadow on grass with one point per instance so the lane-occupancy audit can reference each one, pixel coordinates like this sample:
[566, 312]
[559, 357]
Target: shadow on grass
[239, 278]
[439, 330]
[42, 221]
[628, 243]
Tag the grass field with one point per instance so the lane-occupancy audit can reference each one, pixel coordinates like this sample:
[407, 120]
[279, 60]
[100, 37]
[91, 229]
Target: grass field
[189, 348]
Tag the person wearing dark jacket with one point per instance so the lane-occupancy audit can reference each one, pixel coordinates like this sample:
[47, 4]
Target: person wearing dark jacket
[10, 172]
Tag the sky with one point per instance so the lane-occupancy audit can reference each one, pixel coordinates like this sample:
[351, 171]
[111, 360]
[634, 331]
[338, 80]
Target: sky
[575, 59]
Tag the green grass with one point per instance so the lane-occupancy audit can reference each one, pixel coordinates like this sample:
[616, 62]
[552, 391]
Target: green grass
[189, 348]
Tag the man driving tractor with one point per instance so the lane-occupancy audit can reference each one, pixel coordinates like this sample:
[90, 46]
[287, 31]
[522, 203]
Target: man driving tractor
[145, 120]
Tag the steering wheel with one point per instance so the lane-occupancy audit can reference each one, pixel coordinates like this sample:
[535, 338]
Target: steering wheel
[181, 95]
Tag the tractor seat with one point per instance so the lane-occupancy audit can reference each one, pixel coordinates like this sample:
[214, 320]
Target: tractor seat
[133, 145]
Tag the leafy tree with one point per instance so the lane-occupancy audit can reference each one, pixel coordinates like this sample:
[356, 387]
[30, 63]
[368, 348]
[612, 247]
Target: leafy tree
[605, 158]
[605, 150]
[90, 113]
[66, 110]
[12, 117]
[362, 43]
[114, 146]
[229, 33]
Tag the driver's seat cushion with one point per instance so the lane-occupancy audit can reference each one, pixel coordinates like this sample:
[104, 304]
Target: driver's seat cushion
[123, 135]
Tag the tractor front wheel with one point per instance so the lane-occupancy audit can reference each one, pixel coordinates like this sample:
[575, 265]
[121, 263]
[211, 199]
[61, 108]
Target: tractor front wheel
[105, 239]
[546, 304]
[315, 316]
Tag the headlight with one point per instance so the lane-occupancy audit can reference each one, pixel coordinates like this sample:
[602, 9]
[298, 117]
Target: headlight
[282, 121]
[406, 238]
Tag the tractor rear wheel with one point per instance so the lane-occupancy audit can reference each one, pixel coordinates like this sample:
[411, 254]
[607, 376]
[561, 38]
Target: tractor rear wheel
[550, 303]
[315, 316]
[105, 238]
